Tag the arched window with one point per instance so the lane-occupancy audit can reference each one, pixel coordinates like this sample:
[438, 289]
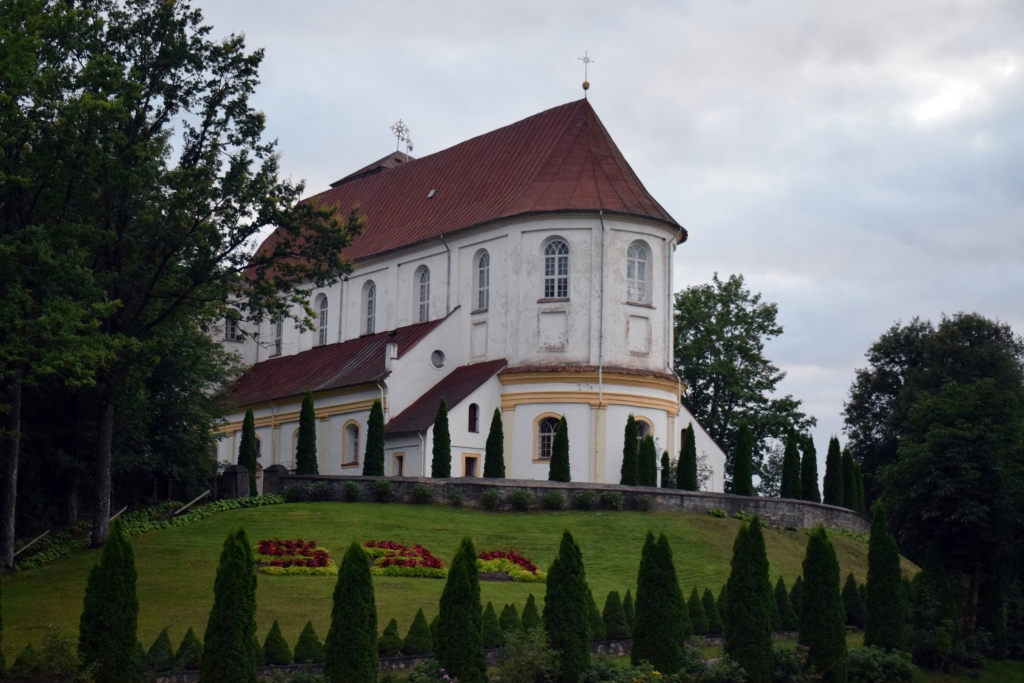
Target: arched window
[232, 330]
[371, 307]
[321, 320]
[636, 274]
[424, 285]
[546, 437]
[474, 417]
[643, 430]
[483, 282]
[278, 337]
[350, 445]
[556, 270]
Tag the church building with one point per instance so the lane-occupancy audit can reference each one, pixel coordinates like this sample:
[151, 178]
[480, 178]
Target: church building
[526, 270]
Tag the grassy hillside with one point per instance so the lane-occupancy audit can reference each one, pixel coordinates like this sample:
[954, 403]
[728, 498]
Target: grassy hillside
[177, 566]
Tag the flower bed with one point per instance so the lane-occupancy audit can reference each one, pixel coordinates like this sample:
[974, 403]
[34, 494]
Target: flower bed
[278, 557]
[495, 565]
[393, 559]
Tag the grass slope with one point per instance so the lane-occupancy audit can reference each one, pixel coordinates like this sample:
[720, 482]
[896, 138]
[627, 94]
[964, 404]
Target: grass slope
[177, 566]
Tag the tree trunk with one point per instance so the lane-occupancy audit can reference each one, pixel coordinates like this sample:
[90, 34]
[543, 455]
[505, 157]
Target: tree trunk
[9, 475]
[104, 448]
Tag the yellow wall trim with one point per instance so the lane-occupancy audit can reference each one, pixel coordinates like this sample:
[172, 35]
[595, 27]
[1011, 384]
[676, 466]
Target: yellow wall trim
[590, 377]
[324, 413]
[510, 401]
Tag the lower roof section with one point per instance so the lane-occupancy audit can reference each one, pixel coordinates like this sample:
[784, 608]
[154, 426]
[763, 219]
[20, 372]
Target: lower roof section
[459, 384]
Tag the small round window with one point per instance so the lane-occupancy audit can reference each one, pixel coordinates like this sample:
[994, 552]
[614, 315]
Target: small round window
[437, 359]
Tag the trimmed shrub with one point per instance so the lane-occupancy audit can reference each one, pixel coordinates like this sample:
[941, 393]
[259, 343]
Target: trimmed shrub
[460, 646]
[790, 486]
[352, 491]
[26, 664]
[441, 462]
[373, 459]
[858, 489]
[598, 631]
[230, 647]
[643, 503]
[527, 658]
[456, 498]
[848, 479]
[293, 493]
[247, 449]
[566, 611]
[531, 617]
[789, 620]
[686, 470]
[493, 634]
[509, 619]
[711, 613]
[308, 648]
[832, 490]
[748, 628]
[418, 640]
[796, 595]
[717, 512]
[698, 618]
[629, 611]
[350, 650]
[160, 657]
[275, 648]
[584, 500]
[886, 608]
[725, 670]
[630, 474]
[552, 500]
[809, 472]
[190, 652]
[390, 643]
[494, 450]
[647, 464]
[743, 463]
[490, 499]
[383, 491]
[872, 665]
[773, 606]
[822, 618]
[109, 622]
[662, 622]
[558, 470]
[422, 494]
[520, 499]
[320, 491]
[612, 500]
[723, 606]
[852, 603]
[667, 480]
[305, 446]
[614, 617]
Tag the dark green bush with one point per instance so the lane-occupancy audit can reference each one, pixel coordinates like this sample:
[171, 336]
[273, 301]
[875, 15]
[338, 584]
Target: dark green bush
[383, 491]
[614, 617]
[494, 636]
[456, 498]
[509, 619]
[526, 658]
[190, 652]
[520, 499]
[352, 491]
[275, 648]
[643, 503]
[584, 500]
[612, 500]
[418, 640]
[725, 670]
[491, 499]
[309, 648]
[319, 491]
[427, 672]
[552, 500]
[715, 512]
[293, 493]
[160, 657]
[390, 643]
[531, 617]
[422, 494]
[872, 665]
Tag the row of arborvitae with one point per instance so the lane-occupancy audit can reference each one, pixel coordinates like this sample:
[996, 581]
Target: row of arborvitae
[843, 483]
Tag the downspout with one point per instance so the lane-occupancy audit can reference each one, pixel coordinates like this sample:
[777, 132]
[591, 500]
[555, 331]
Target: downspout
[380, 385]
[600, 324]
[341, 306]
[448, 279]
[671, 322]
[423, 455]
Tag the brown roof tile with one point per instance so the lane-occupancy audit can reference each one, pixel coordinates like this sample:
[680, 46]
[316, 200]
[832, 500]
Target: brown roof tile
[453, 389]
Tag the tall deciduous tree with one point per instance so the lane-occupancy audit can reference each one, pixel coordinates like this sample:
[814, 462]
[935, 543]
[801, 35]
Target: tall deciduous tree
[630, 474]
[230, 645]
[494, 450]
[373, 461]
[647, 465]
[742, 483]
[832, 489]
[662, 621]
[809, 472]
[305, 447]
[460, 642]
[885, 626]
[720, 333]
[748, 628]
[559, 468]
[687, 468]
[791, 486]
[247, 450]
[441, 463]
[566, 611]
[823, 619]
[350, 650]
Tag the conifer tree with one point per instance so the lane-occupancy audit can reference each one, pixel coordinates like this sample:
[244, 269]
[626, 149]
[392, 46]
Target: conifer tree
[743, 463]
[161, 654]
[809, 472]
[630, 472]
[667, 480]
[373, 459]
[494, 636]
[629, 611]
[832, 489]
[309, 648]
[863, 590]
[275, 648]
[698, 618]
[858, 489]
[418, 640]
[435, 632]
[247, 449]
[822, 618]
[567, 612]
[509, 620]
[886, 618]
[773, 607]
[796, 595]
[647, 465]
[460, 642]
[853, 605]
[110, 612]
[662, 622]
[305, 447]
[596, 621]
[559, 467]
[350, 649]
[614, 617]
[848, 479]
[494, 451]
[790, 486]
[686, 471]
[723, 606]
[531, 617]
[748, 628]
[190, 651]
[441, 464]
[711, 613]
[789, 620]
[230, 645]
[3, 661]
[390, 643]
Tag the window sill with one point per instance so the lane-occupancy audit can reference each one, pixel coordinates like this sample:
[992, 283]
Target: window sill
[641, 305]
[234, 341]
[349, 465]
[553, 300]
[548, 460]
[479, 310]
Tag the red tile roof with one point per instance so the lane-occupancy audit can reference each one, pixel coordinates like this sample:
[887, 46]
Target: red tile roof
[561, 160]
[333, 366]
[453, 389]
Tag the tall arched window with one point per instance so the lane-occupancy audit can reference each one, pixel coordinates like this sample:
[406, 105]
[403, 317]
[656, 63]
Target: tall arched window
[278, 337]
[636, 274]
[321, 320]
[643, 430]
[474, 417]
[483, 282]
[350, 444]
[556, 270]
[424, 285]
[371, 308]
[546, 437]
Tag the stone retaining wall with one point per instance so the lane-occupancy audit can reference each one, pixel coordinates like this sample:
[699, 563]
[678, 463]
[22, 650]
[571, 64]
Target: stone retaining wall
[778, 511]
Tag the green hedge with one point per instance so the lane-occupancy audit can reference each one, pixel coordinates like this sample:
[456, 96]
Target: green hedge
[515, 572]
[416, 572]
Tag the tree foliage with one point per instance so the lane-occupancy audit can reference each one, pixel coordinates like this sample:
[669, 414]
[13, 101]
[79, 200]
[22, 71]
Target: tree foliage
[493, 634]
[791, 486]
[309, 648]
[662, 621]
[789, 620]
[711, 613]
[531, 617]
[390, 643]
[350, 649]
[441, 463]
[743, 464]
[190, 651]
[630, 472]
[460, 643]
[614, 617]
[833, 483]
[853, 605]
[509, 619]
[809, 472]
[748, 628]
[275, 648]
[230, 645]
[822, 617]
[161, 653]
[849, 485]
[373, 460]
[418, 640]
[886, 621]
[567, 610]
[305, 446]
[559, 467]
[687, 468]
[629, 610]
[494, 451]
[247, 449]
[647, 463]
[698, 618]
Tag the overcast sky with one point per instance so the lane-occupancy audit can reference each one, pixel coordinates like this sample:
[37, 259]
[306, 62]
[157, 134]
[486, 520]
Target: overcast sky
[859, 163]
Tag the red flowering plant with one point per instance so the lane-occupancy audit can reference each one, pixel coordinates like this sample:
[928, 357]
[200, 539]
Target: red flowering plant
[393, 559]
[499, 564]
[293, 557]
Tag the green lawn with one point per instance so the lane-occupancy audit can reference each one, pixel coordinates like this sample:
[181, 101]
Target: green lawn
[177, 566]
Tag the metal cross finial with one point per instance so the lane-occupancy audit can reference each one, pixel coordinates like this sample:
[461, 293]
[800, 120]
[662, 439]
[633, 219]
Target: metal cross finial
[401, 132]
[587, 61]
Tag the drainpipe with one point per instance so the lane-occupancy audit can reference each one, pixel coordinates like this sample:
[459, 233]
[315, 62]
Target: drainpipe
[671, 321]
[380, 385]
[423, 455]
[341, 305]
[600, 324]
[448, 279]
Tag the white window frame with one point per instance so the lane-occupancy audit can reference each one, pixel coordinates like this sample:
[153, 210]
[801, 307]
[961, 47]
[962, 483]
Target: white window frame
[483, 282]
[321, 322]
[556, 270]
[545, 437]
[232, 332]
[371, 308]
[278, 337]
[424, 295]
[637, 274]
